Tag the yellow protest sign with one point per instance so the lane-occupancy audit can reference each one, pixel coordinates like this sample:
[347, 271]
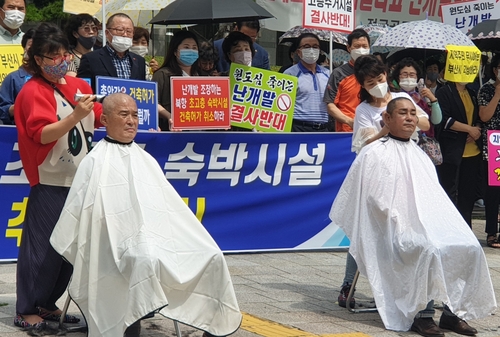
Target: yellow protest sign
[11, 57]
[82, 6]
[462, 63]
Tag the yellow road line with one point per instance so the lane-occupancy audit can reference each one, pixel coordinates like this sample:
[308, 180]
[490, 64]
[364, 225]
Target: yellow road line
[266, 328]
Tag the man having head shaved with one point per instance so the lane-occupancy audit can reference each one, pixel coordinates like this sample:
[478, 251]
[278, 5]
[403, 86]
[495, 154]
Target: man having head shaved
[135, 246]
[408, 238]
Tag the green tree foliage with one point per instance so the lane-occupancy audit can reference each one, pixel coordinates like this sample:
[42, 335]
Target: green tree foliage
[43, 11]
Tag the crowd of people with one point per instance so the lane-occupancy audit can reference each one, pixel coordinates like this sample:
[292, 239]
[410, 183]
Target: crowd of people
[383, 103]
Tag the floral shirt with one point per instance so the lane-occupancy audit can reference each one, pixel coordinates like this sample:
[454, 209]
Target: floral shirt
[485, 95]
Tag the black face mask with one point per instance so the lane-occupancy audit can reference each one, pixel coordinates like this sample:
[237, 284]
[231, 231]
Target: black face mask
[432, 76]
[87, 42]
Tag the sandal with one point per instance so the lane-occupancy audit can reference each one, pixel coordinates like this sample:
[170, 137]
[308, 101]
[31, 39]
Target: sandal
[21, 322]
[48, 316]
[492, 241]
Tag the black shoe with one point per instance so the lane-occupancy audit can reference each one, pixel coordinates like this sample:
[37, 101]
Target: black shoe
[457, 325]
[344, 293]
[134, 330]
[426, 327]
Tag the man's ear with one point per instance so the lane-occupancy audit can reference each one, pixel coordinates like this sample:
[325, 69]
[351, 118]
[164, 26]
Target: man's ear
[386, 118]
[104, 120]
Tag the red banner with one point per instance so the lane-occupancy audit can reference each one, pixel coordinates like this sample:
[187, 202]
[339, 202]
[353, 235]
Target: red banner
[200, 103]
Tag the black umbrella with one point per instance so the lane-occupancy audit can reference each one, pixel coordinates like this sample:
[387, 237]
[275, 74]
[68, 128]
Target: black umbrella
[210, 11]
[486, 35]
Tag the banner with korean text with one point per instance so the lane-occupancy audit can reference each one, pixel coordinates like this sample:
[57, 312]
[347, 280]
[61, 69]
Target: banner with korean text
[252, 191]
[145, 94]
[199, 103]
[462, 63]
[11, 58]
[288, 13]
[493, 158]
[261, 100]
[336, 15]
[466, 15]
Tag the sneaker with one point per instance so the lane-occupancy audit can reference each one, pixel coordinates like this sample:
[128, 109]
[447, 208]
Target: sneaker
[344, 293]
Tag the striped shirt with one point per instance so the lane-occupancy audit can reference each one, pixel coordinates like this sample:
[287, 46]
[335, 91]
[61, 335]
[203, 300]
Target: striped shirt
[309, 105]
[122, 65]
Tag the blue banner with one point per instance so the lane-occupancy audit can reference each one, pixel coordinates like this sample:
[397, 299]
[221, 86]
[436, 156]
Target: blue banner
[145, 94]
[252, 191]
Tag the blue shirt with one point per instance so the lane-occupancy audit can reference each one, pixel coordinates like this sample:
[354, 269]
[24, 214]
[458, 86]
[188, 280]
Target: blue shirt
[9, 90]
[309, 105]
[122, 65]
[259, 60]
[7, 38]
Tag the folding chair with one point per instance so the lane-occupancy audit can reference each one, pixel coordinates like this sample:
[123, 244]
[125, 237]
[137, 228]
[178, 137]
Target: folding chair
[84, 328]
[351, 294]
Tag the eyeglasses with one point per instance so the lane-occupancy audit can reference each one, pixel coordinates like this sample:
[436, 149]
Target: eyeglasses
[406, 75]
[89, 29]
[306, 46]
[57, 60]
[121, 31]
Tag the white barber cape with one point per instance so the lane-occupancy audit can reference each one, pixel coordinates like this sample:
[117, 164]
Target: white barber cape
[408, 238]
[136, 247]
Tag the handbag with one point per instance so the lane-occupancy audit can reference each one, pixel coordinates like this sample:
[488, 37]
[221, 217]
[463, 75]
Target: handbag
[431, 147]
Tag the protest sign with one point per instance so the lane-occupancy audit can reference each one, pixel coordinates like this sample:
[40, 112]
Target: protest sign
[145, 94]
[82, 6]
[289, 13]
[11, 57]
[261, 100]
[462, 63]
[338, 15]
[493, 158]
[466, 15]
[199, 103]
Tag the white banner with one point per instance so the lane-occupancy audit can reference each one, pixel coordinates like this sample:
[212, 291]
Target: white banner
[327, 15]
[288, 13]
[466, 15]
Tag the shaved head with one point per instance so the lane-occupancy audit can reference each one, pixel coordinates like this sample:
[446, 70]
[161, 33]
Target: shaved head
[120, 117]
[113, 100]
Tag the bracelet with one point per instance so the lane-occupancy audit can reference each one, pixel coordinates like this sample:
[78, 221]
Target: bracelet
[434, 102]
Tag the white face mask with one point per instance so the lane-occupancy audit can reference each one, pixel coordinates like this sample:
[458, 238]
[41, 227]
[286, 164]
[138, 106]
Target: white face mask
[13, 18]
[310, 55]
[243, 57]
[139, 50]
[379, 91]
[355, 53]
[99, 35]
[121, 43]
[408, 84]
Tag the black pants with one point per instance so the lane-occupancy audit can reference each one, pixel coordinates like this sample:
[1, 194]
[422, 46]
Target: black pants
[491, 202]
[42, 274]
[461, 183]
[303, 126]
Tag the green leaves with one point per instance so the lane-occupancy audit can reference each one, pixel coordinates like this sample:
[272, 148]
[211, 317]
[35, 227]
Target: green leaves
[48, 12]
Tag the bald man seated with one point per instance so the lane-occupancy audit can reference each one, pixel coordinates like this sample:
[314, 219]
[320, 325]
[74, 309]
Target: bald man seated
[135, 246]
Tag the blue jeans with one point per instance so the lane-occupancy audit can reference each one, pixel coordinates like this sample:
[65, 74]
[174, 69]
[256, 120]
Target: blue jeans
[350, 269]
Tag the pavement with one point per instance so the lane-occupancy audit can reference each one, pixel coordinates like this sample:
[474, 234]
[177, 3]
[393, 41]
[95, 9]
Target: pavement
[281, 295]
